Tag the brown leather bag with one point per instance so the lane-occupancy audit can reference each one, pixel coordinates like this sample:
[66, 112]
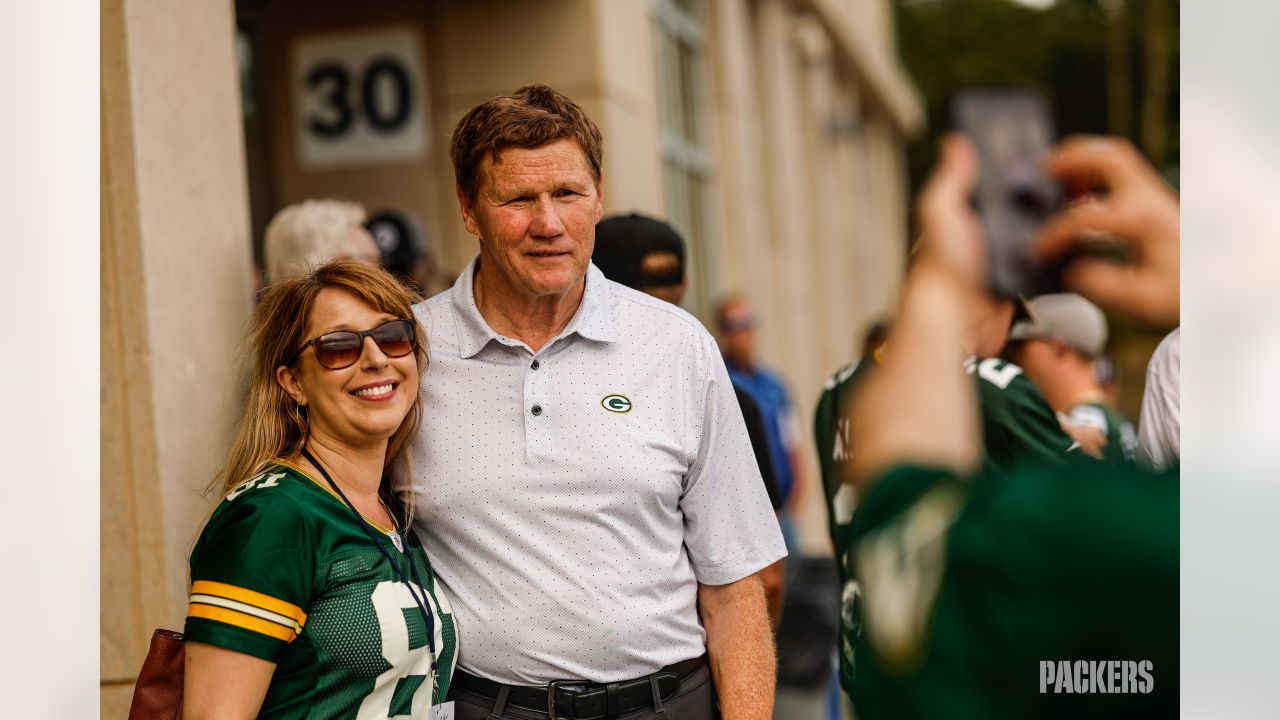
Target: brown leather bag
[158, 694]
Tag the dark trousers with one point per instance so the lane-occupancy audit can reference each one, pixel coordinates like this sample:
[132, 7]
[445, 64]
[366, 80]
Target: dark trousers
[695, 700]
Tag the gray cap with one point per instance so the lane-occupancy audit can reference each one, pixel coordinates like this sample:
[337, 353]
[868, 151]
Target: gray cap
[1066, 317]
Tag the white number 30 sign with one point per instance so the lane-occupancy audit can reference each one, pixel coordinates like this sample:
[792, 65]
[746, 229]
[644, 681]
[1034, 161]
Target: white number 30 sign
[358, 98]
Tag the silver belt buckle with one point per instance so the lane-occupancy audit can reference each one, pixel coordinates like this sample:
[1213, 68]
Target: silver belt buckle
[551, 694]
[551, 697]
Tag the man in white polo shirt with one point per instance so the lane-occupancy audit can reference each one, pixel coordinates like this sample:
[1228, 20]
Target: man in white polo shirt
[585, 486]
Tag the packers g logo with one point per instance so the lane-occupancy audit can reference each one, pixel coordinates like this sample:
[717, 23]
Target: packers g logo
[616, 403]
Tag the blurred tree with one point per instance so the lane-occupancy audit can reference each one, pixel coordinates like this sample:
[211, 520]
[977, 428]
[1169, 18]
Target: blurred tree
[1107, 66]
[1081, 53]
[1119, 69]
[1155, 101]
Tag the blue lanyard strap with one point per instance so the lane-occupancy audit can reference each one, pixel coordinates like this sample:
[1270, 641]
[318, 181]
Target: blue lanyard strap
[364, 524]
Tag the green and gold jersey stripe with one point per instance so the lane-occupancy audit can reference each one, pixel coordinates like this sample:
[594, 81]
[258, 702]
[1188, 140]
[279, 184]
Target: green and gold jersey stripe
[242, 620]
[246, 609]
[215, 601]
[250, 597]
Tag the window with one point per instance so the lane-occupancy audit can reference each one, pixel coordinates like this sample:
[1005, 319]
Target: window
[682, 98]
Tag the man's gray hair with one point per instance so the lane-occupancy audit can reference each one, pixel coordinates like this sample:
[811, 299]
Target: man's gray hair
[308, 234]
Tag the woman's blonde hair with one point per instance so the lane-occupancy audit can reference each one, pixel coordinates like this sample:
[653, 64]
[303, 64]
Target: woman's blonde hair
[274, 427]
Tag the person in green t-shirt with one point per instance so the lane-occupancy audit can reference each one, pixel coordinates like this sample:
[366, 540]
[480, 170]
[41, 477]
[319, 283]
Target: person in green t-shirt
[1059, 347]
[1043, 589]
[311, 597]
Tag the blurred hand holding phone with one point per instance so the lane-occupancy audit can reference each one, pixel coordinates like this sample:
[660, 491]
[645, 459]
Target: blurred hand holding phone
[1012, 131]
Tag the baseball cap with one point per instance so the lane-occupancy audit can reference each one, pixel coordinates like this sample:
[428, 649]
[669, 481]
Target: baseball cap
[623, 242]
[399, 238]
[1067, 317]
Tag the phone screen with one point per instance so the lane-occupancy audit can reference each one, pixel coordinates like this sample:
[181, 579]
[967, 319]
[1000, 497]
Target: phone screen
[1012, 130]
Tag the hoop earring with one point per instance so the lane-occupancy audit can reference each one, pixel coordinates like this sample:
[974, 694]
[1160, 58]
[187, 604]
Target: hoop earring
[298, 414]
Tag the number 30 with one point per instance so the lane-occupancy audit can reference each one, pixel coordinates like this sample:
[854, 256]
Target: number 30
[333, 81]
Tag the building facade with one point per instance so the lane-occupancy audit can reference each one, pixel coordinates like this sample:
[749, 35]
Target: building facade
[771, 132]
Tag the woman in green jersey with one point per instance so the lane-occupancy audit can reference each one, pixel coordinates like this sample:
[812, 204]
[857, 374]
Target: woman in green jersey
[310, 596]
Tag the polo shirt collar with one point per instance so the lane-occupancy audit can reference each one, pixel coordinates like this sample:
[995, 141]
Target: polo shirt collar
[596, 318]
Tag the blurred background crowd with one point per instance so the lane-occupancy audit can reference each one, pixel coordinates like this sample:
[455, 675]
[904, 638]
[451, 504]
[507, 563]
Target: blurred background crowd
[760, 161]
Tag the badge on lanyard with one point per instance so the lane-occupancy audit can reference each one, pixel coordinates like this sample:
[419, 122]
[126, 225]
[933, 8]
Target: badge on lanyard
[443, 711]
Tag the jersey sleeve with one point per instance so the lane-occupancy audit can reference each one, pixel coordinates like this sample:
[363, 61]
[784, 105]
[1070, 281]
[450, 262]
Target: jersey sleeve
[252, 574]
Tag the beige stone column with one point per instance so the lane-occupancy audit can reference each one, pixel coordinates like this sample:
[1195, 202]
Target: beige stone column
[789, 226]
[626, 107]
[886, 158]
[176, 289]
[830, 276]
[742, 215]
[791, 332]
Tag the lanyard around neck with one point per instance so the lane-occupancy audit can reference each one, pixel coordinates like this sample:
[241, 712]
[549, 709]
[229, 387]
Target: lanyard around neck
[364, 524]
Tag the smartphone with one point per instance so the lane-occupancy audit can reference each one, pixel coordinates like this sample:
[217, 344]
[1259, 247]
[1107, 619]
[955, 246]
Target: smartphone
[1012, 130]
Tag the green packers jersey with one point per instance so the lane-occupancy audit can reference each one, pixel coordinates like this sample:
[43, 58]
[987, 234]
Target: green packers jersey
[981, 598]
[1122, 439]
[1017, 424]
[283, 571]
[831, 428]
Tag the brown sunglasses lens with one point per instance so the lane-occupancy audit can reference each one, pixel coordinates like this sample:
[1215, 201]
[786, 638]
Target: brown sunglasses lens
[341, 349]
[395, 339]
[338, 350]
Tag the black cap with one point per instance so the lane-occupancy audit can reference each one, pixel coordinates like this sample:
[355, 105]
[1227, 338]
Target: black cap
[623, 242]
[400, 239]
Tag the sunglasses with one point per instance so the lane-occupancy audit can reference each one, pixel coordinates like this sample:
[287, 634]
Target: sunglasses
[340, 349]
[741, 324]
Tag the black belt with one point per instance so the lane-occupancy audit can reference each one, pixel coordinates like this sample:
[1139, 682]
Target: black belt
[582, 700]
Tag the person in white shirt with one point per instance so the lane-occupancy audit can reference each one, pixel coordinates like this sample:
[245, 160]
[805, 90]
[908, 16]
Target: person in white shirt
[589, 496]
[1158, 425]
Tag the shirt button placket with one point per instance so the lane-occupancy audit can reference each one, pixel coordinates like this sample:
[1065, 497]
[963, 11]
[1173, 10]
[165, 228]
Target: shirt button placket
[536, 427]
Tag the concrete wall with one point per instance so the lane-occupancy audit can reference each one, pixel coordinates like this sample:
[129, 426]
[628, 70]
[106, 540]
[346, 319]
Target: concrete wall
[176, 289]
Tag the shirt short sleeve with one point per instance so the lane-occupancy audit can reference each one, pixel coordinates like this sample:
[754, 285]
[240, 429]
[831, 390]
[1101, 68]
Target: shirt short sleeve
[1159, 425]
[730, 529]
[252, 573]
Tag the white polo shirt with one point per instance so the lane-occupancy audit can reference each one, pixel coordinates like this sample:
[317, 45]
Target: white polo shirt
[571, 500]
